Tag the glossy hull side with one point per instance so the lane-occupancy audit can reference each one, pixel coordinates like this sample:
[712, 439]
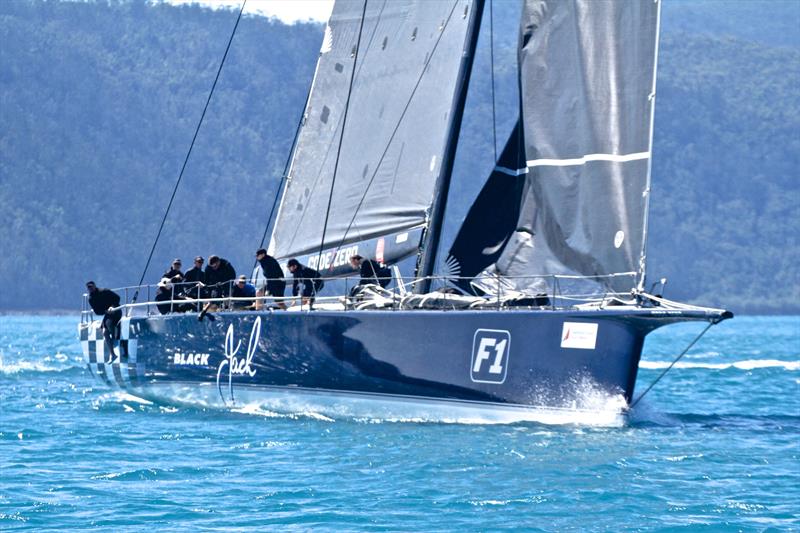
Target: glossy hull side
[515, 359]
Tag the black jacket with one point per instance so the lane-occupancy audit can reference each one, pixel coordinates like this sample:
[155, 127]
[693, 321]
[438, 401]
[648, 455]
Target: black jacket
[271, 268]
[171, 273]
[373, 273]
[102, 299]
[194, 275]
[225, 272]
[310, 279]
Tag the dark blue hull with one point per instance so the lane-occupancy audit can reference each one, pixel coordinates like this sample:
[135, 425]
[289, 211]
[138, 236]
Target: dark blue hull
[517, 359]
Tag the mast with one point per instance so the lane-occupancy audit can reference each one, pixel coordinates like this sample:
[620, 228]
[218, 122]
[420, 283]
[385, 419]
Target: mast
[647, 191]
[433, 233]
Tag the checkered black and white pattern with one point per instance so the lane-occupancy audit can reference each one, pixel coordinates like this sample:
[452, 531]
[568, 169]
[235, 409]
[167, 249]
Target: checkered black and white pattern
[122, 372]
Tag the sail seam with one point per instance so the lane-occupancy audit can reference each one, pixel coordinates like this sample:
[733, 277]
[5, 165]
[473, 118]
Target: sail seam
[617, 158]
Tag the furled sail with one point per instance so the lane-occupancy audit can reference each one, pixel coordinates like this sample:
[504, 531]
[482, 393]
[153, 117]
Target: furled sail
[493, 217]
[369, 189]
[587, 75]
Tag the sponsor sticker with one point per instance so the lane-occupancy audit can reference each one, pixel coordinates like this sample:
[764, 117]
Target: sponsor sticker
[581, 335]
[490, 349]
[379, 247]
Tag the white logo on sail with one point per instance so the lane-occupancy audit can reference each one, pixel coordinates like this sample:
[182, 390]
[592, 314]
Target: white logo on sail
[327, 41]
[618, 238]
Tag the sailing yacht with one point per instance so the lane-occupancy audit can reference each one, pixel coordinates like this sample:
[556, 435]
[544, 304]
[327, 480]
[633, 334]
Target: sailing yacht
[542, 294]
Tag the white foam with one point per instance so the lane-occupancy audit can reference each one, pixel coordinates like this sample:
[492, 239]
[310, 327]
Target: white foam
[598, 410]
[587, 406]
[120, 397]
[749, 364]
[27, 366]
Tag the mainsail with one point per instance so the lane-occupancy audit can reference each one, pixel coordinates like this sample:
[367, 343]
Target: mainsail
[387, 76]
[587, 79]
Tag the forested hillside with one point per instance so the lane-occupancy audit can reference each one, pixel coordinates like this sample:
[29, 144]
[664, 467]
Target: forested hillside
[98, 104]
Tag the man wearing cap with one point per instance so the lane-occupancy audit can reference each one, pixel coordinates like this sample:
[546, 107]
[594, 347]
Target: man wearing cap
[372, 273]
[102, 301]
[243, 289]
[174, 270]
[272, 282]
[310, 279]
[195, 279]
[168, 296]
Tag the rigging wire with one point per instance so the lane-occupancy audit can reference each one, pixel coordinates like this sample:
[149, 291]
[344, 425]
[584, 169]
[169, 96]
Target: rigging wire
[341, 135]
[653, 384]
[491, 58]
[189, 152]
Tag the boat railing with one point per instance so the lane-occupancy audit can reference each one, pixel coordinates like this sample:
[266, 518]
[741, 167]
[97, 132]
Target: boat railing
[542, 292]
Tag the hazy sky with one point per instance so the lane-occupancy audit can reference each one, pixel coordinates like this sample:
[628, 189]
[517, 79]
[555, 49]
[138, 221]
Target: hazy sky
[288, 11]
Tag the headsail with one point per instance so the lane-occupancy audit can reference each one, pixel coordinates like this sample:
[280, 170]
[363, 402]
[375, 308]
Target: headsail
[406, 68]
[493, 217]
[587, 71]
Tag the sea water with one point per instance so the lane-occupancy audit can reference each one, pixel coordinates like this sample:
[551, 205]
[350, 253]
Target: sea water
[714, 446]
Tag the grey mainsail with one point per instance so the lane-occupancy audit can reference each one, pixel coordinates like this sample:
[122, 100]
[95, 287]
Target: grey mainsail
[377, 198]
[587, 77]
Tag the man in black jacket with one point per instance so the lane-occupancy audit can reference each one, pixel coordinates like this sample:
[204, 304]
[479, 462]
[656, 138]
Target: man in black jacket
[308, 277]
[102, 301]
[273, 283]
[195, 279]
[174, 270]
[372, 273]
[219, 273]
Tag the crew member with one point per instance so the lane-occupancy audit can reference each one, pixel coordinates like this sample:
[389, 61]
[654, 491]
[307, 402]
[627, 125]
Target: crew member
[174, 270]
[195, 279]
[243, 289]
[372, 273]
[219, 273]
[310, 279]
[272, 283]
[103, 302]
[166, 294]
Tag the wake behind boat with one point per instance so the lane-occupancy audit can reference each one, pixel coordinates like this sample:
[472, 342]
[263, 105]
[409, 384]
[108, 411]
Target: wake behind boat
[539, 303]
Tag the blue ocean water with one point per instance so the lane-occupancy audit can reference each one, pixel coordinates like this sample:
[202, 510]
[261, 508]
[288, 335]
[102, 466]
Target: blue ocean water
[714, 446]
